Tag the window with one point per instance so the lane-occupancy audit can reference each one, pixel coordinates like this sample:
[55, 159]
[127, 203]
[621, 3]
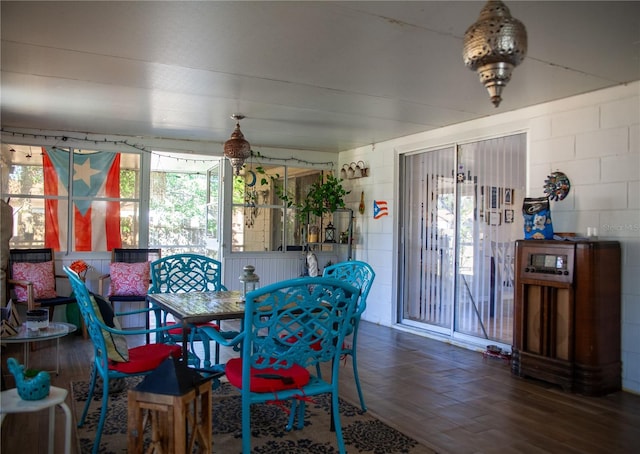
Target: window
[71, 199]
[178, 203]
[261, 221]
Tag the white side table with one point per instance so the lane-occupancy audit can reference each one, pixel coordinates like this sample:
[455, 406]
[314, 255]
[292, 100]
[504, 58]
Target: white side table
[10, 402]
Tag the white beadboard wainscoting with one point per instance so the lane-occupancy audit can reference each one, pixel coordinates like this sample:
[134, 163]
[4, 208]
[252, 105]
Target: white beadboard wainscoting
[270, 267]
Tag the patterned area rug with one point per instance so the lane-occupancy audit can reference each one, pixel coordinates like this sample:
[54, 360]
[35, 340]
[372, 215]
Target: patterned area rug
[362, 432]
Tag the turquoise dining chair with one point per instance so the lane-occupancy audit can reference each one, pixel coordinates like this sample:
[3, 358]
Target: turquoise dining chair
[289, 327]
[112, 357]
[360, 275]
[180, 273]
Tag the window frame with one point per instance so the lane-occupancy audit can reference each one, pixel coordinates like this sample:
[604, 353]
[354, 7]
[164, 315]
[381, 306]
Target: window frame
[229, 205]
[68, 242]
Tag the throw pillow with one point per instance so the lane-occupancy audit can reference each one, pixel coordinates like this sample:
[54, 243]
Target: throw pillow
[129, 279]
[117, 349]
[41, 274]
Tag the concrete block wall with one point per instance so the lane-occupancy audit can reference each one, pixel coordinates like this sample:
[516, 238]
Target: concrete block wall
[593, 138]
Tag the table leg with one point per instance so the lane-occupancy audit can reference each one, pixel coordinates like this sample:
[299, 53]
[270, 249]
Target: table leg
[185, 344]
[58, 356]
[26, 354]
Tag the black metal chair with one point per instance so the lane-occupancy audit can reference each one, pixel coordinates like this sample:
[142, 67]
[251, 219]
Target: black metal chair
[122, 255]
[33, 301]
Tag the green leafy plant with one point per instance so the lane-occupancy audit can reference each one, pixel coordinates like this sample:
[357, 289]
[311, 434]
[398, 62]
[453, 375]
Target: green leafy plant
[324, 196]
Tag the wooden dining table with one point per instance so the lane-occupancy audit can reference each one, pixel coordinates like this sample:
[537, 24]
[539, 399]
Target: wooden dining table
[191, 308]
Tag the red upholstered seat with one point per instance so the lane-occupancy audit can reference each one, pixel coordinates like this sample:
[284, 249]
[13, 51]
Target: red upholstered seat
[145, 358]
[317, 346]
[269, 379]
[178, 331]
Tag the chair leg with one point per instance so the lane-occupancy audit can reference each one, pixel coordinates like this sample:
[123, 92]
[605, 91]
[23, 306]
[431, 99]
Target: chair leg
[246, 424]
[92, 387]
[207, 350]
[147, 325]
[301, 408]
[195, 359]
[292, 415]
[357, 379]
[336, 420]
[296, 411]
[356, 376]
[103, 414]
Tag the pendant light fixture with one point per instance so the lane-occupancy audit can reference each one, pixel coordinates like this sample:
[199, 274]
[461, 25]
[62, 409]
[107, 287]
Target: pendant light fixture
[494, 45]
[237, 149]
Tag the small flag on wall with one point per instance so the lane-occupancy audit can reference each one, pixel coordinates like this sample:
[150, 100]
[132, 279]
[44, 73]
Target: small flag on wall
[380, 209]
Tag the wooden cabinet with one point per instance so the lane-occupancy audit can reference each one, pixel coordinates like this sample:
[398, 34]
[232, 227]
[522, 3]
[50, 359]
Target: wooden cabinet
[567, 314]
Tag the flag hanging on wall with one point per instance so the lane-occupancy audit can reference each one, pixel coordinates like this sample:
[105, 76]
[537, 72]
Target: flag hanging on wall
[380, 209]
[96, 223]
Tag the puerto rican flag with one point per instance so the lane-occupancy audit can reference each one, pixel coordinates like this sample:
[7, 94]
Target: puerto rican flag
[96, 224]
[380, 209]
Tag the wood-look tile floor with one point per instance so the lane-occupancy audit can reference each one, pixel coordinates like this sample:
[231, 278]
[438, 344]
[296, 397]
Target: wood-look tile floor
[452, 399]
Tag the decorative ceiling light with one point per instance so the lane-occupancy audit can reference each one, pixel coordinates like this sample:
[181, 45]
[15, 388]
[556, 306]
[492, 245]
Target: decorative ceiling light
[494, 45]
[236, 149]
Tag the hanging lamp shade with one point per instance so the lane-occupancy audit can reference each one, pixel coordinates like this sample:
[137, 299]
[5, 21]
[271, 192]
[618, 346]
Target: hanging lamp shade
[493, 46]
[237, 149]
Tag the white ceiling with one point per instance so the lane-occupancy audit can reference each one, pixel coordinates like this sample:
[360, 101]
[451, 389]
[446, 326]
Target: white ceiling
[326, 76]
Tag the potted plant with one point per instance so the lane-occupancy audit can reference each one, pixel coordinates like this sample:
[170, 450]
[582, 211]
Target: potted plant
[324, 197]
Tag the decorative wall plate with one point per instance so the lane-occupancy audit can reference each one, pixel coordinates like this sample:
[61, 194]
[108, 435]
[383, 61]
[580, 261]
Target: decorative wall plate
[557, 186]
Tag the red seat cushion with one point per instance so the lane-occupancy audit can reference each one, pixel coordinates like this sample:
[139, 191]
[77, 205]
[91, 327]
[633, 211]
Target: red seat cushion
[294, 377]
[178, 331]
[146, 358]
[317, 345]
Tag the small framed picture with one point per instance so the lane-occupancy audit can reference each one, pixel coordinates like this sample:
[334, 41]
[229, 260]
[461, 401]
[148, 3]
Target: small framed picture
[508, 216]
[493, 198]
[494, 218]
[508, 197]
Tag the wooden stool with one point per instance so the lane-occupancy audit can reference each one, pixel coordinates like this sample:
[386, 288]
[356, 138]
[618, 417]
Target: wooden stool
[177, 422]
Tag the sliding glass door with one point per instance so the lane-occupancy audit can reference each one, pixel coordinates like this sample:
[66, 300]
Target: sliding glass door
[459, 225]
[429, 229]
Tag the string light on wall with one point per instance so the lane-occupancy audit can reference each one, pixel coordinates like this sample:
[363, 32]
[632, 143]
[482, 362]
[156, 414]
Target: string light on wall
[260, 157]
[237, 149]
[493, 46]
[75, 139]
[177, 155]
[98, 142]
